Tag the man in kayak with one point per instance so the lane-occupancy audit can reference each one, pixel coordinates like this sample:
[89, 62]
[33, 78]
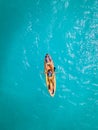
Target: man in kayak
[51, 81]
[49, 64]
[49, 73]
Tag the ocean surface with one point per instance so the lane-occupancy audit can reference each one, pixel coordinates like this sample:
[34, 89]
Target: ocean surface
[68, 31]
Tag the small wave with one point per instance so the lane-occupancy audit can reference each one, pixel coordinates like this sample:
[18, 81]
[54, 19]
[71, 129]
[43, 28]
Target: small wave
[26, 64]
[86, 12]
[66, 4]
[66, 90]
[42, 79]
[61, 69]
[70, 62]
[71, 35]
[62, 96]
[70, 50]
[54, 2]
[73, 103]
[71, 77]
[96, 93]
[37, 39]
[86, 82]
[55, 10]
[90, 99]
[25, 61]
[88, 67]
[96, 85]
[61, 107]
[96, 102]
[82, 103]
[29, 28]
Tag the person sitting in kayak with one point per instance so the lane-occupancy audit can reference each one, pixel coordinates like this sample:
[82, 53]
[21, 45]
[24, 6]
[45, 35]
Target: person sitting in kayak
[50, 80]
[50, 76]
[49, 73]
[48, 61]
[49, 66]
[47, 58]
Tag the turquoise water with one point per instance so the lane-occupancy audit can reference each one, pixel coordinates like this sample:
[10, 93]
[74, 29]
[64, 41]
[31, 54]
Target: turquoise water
[68, 31]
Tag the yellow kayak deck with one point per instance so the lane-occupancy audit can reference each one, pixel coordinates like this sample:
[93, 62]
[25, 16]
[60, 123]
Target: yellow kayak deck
[50, 81]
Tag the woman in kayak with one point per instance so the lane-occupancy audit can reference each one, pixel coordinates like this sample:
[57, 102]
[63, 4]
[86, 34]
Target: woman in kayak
[49, 63]
[47, 58]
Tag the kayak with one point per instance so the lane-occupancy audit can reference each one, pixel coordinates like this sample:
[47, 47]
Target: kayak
[50, 75]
